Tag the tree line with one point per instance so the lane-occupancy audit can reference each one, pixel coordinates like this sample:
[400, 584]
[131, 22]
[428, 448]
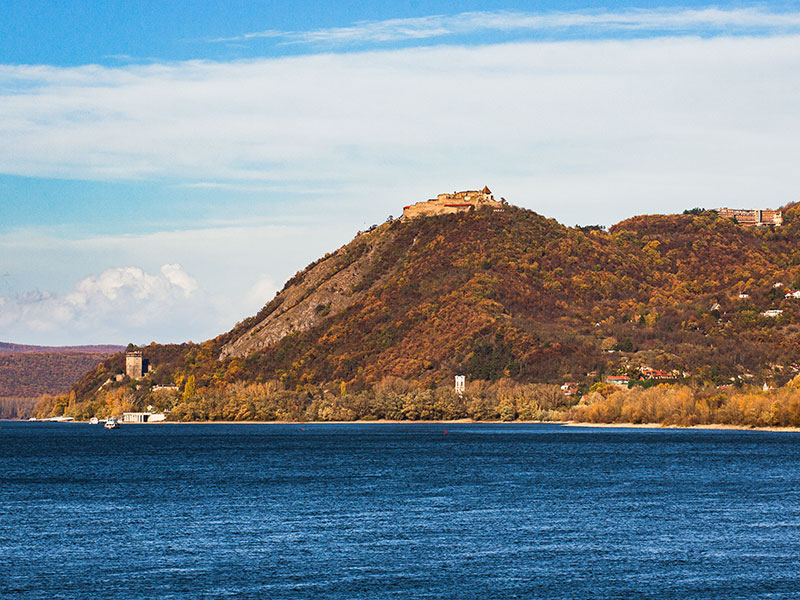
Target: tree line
[404, 400]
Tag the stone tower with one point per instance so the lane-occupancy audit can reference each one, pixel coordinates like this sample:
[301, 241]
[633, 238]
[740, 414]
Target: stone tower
[133, 364]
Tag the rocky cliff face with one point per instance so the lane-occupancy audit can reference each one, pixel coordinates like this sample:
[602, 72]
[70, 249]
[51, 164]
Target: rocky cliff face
[322, 290]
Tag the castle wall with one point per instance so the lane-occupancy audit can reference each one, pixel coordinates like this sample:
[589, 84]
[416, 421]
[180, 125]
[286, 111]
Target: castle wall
[446, 204]
[431, 208]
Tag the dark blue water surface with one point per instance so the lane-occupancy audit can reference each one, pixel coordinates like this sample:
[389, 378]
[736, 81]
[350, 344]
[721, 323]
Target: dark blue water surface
[397, 511]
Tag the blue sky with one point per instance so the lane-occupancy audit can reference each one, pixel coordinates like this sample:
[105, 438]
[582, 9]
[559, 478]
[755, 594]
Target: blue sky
[166, 166]
[78, 33]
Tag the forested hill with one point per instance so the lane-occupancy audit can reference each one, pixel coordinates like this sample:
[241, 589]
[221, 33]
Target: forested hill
[29, 371]
[514, 294]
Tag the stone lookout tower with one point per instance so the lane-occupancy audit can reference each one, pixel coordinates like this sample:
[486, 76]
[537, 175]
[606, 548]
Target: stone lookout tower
[134, 366]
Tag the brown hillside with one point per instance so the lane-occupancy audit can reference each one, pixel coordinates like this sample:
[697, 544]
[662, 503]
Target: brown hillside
[513, 294]
[30, 374]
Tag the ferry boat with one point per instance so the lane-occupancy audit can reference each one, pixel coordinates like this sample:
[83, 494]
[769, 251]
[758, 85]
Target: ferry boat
[111, 423]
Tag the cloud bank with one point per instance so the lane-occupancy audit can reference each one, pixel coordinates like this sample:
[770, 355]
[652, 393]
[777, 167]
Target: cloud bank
[114, 305]
[226, 273]
[590, 129]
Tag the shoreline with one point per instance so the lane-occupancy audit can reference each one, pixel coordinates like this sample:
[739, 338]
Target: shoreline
[712, 426]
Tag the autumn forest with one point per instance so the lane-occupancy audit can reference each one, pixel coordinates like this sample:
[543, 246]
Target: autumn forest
[519, 304]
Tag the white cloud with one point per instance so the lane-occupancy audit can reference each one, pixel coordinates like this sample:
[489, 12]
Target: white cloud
[262, 291]
[179, 279]
[585, 130]
[226, 273]
[111, 306]
[595, 23]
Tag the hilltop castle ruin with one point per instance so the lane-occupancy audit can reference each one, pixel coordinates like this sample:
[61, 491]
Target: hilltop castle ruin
[446, 204]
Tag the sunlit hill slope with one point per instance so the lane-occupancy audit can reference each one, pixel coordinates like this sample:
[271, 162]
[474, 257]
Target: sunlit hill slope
[513, 294]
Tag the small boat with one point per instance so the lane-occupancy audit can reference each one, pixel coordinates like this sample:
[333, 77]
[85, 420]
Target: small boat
[111, 423]
[94, 421]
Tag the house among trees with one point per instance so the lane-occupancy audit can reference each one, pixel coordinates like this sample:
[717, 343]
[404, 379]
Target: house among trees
[570, 388]
[752, 217]
[649, 373]
[618, 380]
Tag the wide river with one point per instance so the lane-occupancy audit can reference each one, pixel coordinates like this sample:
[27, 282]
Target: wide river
[461, 511]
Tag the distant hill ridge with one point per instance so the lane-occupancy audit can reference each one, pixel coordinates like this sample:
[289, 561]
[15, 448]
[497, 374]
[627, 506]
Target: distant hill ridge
[28, 371]
[8, 348]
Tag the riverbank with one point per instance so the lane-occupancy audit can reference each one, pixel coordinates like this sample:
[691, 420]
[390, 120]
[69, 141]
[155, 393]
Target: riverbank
[660, 426]
[472, 421]
[711, 426]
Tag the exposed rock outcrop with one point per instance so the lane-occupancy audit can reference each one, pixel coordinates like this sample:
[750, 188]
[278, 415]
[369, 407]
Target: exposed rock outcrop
[325, 289]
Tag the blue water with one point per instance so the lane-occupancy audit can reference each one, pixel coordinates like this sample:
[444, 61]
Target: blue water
[396, 511]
